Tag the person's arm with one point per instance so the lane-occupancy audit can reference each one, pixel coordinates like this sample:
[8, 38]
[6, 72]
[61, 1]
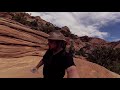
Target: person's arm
[72, 72]
[39, 64]
[35, 69]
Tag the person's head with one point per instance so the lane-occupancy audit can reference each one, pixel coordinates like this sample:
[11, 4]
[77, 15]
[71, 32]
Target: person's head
[56, 40]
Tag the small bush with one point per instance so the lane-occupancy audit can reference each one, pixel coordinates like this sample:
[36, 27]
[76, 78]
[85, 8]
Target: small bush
[81, 52]
[20, 18]
[107, 57]
[34, 24]
[48, 27]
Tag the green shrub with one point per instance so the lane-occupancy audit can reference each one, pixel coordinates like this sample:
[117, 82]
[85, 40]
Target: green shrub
[48, 27]
[34, 24]
[81, 52]
[107, 57]
[20, 18]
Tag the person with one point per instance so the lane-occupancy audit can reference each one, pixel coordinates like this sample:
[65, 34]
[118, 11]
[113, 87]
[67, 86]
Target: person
[56, 60]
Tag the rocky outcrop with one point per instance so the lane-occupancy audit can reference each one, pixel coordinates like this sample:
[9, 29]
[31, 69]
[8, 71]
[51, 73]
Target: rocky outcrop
[16, 40]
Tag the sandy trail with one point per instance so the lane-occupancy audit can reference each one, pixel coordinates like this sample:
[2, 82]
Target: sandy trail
[19, 67]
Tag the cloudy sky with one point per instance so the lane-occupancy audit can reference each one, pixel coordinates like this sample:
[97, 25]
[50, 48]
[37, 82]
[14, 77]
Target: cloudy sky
[105, 25]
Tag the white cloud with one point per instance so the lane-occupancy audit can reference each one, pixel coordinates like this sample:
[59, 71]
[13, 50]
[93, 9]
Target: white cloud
[115, 39]
[81, 23]
[118, 39]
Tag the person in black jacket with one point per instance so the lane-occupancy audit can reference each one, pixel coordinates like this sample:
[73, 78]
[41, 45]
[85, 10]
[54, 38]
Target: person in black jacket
[56, 60]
